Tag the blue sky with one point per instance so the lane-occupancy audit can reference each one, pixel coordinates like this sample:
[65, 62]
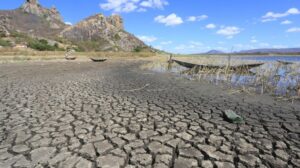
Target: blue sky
[193, 26]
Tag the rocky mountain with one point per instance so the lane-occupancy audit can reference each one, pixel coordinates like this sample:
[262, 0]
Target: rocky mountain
[94, 33]
[31, 18]
[106, 33]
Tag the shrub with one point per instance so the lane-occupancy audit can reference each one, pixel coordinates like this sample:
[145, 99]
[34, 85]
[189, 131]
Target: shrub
[5, 43]
[79, 49]
[138, 49]
[42, 45]
[117, 37]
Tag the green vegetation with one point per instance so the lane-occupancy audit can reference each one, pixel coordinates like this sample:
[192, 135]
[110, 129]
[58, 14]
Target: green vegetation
[117, 37]
[42, 45]
[138, 49]
[93, 45]
[76, 48]
[5, 43]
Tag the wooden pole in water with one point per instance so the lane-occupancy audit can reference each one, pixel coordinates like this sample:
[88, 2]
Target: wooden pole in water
[170, 62]
[170, 59]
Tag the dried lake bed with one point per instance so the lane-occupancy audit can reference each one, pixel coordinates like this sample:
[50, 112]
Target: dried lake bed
[85, 114]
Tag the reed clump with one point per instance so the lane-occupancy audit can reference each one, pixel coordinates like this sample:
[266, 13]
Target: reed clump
[273, 78]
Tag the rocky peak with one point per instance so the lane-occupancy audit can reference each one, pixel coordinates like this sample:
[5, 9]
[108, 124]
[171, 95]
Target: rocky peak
[104, 30]
[33, 7]
[116, 21]
[36, 2]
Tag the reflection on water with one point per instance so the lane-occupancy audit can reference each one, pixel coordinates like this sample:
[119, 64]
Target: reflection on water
[272, 58]
[273, 77]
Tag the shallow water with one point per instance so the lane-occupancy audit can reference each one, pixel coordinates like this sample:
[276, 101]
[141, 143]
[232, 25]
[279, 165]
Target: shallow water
[272, 58]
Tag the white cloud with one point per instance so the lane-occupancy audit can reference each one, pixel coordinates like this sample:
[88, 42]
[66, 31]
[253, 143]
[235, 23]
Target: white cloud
[279, 46]
[147, 39]
[211, 26]
[271, 16]
[197, 18]
[192, 45]
[286, 22]
[253, 40]
[264, 44]
[229, 31]
[293, 30]
[166, 42]
[154, 3]
[195, 43]
[141, 10]
[119, 6]
[170, 20]
[243, 46]
[68, 23]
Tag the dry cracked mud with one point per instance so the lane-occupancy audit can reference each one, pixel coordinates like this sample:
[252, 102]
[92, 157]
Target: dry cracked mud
[110, 115]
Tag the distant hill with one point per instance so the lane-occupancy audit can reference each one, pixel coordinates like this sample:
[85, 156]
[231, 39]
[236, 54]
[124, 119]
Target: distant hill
[215, 52]
[32, 21]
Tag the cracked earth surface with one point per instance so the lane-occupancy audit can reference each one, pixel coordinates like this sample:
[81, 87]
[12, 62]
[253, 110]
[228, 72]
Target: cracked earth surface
[113, 114]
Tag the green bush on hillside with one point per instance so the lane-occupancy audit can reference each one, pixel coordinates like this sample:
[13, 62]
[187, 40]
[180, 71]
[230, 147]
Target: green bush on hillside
[42, 45]
[138, 49]
[5, 43]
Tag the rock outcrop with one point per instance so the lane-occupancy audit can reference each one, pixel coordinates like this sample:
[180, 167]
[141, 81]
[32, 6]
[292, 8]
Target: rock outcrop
[106, 33]
[33, 7]
[4, 26]
[32, 19]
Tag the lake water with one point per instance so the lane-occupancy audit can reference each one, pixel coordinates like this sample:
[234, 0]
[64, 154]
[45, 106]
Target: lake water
[272, 58]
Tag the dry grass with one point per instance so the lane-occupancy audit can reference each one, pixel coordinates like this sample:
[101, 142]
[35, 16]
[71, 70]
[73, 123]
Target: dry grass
[13, 55]
[214, 60]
